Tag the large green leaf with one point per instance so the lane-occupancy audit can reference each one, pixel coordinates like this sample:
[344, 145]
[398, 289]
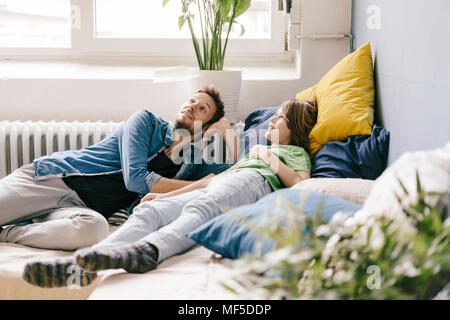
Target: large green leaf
[241, 6]
[225, 7]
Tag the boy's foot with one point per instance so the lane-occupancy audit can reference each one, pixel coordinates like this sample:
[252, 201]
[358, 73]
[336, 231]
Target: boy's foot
[136, 258]
[57, 273]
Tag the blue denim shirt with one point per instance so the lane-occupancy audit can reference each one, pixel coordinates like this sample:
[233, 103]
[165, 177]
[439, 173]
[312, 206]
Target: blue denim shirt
[127, 150]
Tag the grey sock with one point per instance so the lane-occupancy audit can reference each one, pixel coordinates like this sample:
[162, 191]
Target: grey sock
[135, 258]
[56, 273]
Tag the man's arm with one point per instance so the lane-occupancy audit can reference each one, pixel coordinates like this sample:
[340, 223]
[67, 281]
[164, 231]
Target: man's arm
[191, 186]
[135, 138]
[164, 185]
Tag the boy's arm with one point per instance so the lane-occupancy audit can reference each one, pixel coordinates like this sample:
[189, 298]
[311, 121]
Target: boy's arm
[286, 175]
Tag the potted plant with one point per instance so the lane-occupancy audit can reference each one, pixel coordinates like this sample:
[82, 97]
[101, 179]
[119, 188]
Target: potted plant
[216, 19]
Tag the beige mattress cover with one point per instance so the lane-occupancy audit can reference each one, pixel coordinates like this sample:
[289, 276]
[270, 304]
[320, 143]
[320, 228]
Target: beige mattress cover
[192, 275]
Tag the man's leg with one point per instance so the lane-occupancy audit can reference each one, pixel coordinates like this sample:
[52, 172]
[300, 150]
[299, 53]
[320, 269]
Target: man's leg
[22, 197]
[68, 228]
[146, 218]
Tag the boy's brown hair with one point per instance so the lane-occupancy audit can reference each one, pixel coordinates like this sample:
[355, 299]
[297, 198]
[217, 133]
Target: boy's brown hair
[301, 117]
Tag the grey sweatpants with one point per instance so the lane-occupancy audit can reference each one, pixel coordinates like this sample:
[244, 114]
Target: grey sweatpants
[61, 219]
[165, 222]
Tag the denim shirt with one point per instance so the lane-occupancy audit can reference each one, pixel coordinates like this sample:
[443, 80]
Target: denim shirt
[127, 150]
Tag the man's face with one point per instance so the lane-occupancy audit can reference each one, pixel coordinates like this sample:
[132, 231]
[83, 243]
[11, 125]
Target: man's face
[199, 107]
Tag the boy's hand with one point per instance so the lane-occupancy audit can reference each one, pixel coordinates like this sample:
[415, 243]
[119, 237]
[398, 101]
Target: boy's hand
[150, 196]
[261, 152]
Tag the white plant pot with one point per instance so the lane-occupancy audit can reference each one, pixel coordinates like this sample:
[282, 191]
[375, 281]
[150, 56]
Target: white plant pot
[228, 82]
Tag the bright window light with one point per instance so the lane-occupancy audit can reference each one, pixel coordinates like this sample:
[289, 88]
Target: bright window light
[148, 19]
[35, 23]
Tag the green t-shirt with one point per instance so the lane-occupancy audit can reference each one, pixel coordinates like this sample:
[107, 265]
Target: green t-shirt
[294, 157]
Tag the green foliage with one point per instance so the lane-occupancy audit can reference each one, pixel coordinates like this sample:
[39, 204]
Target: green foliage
[352, 257]
[213, 16]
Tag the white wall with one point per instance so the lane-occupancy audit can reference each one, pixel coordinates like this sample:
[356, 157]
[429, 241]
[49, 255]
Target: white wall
[410, 40]
[59, 91]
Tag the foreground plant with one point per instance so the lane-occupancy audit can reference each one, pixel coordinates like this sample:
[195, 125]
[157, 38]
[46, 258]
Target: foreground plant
[406, 256]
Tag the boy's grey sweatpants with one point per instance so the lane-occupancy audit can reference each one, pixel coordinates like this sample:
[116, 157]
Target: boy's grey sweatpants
[165, 222]
[61, 219]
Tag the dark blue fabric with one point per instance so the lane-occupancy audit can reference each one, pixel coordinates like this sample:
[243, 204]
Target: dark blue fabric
[260, 117]
[227, 236]
[358, 156]
[256, 124]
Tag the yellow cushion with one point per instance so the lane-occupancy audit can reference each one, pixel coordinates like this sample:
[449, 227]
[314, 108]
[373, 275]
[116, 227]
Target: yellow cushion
[345, 98]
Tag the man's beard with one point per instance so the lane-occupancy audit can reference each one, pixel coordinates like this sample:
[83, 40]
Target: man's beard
[183, 125]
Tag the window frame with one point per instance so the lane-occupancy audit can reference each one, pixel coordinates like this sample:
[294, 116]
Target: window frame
[84, 44]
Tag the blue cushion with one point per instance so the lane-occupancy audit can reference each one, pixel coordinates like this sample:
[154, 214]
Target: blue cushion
[256, 124]
[260, 118]
[227, 236]
[358, 156]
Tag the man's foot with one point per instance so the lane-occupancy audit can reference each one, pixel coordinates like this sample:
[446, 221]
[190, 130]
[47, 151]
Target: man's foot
[136, 258]
[57, 273]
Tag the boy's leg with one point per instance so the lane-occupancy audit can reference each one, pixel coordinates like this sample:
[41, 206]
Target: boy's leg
[224, 193]
[119, 249]
[148, 217]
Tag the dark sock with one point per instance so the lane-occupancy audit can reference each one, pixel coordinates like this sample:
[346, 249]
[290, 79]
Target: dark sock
[135, 258]
[57, 273]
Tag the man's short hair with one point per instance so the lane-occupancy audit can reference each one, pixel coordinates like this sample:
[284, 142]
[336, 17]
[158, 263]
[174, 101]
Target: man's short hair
[211, 91]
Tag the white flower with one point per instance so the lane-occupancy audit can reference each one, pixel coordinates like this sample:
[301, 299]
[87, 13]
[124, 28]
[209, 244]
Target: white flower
[406, 268]
[342, 276]
[301, 256]
[334, 239]
[274, 257]
[376, 241]
[323, 230]
[327, 273]
[354, 255]
[447, 223]
[340, 217]
[329, 247]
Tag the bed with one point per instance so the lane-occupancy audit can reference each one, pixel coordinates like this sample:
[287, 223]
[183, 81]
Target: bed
[345, 166]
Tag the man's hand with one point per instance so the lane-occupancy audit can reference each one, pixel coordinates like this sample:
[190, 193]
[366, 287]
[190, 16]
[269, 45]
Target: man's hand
[231, 140]
[222, 126]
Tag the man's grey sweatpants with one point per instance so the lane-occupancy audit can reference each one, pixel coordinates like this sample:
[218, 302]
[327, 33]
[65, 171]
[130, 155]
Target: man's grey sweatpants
[165, 222]
[61, 219]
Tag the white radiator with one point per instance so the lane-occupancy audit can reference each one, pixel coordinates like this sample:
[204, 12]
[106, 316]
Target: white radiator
[21, 142]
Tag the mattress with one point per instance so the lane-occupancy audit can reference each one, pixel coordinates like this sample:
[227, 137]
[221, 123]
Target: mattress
[195, 274]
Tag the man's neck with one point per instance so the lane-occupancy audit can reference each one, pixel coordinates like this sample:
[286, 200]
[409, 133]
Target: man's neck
[176, 140]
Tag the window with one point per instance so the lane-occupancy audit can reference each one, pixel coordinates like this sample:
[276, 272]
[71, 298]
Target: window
[147, 19]
[125, 27]
[31, 24]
